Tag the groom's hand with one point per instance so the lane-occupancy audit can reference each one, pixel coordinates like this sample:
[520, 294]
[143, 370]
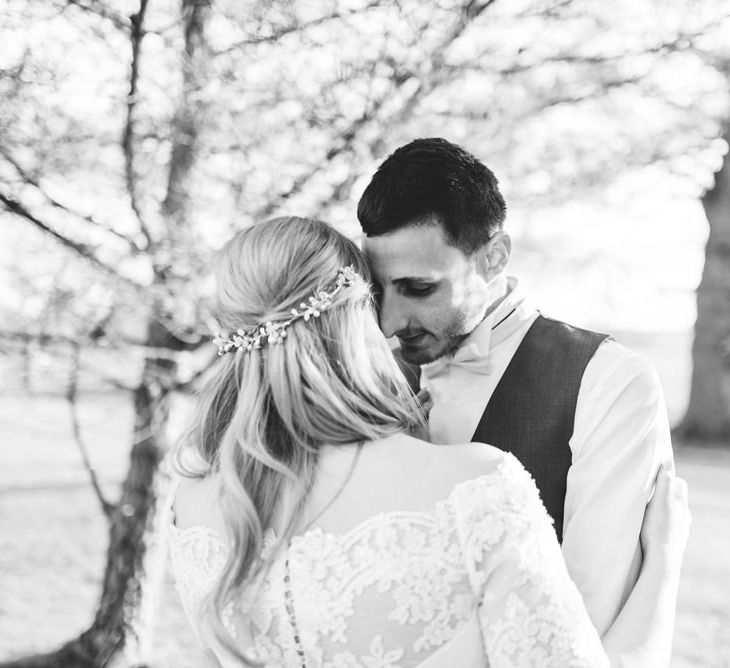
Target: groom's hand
[667, 519]
[424, 398]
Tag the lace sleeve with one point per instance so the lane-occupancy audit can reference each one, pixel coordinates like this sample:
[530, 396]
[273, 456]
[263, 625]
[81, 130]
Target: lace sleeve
[530, 612]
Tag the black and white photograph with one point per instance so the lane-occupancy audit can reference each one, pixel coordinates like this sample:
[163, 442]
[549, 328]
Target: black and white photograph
[364, 334]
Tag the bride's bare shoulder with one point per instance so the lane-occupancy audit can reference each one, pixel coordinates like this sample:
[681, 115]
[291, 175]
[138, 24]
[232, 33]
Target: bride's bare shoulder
[447, 465]
[469, 460]
[195, 502]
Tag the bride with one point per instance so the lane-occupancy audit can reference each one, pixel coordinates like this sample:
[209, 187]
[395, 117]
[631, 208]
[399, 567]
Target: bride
[315, 527]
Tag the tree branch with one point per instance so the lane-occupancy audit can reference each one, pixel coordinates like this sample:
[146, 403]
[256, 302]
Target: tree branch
[44, 339]
[187, 121]
[340, 145]
[300, 27]
[188, 384]
[603, 87]
[435, 72]
[136, 35]
[27, 337]
[428, 79]
[714, 60]
[31, 181]
[684, 41]
[71, 393]
[551, 11]
[80, 249]
[99, 9]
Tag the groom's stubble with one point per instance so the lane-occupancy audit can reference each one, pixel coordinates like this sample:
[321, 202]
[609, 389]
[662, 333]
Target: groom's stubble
[431, 295]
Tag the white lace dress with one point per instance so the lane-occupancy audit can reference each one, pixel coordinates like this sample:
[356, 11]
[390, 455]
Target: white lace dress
[477, 581]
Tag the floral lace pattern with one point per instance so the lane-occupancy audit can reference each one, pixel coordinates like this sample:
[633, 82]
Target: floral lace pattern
[398, 588]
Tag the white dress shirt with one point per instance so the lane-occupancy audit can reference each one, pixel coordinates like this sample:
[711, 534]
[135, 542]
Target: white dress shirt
[620, 437]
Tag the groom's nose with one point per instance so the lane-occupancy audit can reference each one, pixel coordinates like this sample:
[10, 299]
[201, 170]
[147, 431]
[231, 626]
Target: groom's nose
[393, 318]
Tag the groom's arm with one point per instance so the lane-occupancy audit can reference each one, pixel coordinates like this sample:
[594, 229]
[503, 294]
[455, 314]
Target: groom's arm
[621, 436]
[641, 635]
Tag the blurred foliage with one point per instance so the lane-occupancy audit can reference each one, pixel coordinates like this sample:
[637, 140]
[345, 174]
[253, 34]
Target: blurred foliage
[289, 107]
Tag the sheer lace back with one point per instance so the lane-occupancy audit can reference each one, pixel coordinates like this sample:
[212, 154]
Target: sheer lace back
[480, 575]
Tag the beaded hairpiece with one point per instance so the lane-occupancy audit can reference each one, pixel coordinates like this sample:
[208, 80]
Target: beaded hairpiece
[275, 332]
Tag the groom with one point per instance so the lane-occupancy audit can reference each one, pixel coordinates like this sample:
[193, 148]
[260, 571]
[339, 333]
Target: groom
[584, 415]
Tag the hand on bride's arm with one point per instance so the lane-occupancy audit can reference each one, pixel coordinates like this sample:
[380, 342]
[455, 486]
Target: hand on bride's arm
[667, 519]
[642, 633]
[425, 401]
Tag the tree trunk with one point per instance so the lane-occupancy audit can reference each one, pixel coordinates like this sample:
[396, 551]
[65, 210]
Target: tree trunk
[133, 567]
[27, 366]
[124, 577]
[708, 415]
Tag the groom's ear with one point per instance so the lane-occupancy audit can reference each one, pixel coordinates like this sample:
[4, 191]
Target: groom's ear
[492, 258]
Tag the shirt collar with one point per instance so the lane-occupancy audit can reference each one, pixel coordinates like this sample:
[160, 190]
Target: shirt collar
[509, 312]
[512, 313]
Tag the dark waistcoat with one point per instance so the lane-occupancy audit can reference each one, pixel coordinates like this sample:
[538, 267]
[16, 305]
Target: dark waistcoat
[532, 410]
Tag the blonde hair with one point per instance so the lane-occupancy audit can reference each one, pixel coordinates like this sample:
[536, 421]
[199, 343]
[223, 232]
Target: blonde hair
[264, 414]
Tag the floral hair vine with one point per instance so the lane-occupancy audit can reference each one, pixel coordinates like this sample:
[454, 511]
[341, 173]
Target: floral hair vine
[275, 332]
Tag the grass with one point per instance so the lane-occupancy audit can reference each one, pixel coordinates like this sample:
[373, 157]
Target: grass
[53, 535]
[702, 634]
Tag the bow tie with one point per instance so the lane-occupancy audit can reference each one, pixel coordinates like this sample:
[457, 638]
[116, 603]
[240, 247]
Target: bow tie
[466, 357]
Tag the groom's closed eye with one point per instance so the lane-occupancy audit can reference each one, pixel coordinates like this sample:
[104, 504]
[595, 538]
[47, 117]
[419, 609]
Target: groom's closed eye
[413, 289]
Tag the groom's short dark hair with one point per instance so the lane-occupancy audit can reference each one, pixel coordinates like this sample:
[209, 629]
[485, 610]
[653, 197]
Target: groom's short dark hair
[434, 177]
